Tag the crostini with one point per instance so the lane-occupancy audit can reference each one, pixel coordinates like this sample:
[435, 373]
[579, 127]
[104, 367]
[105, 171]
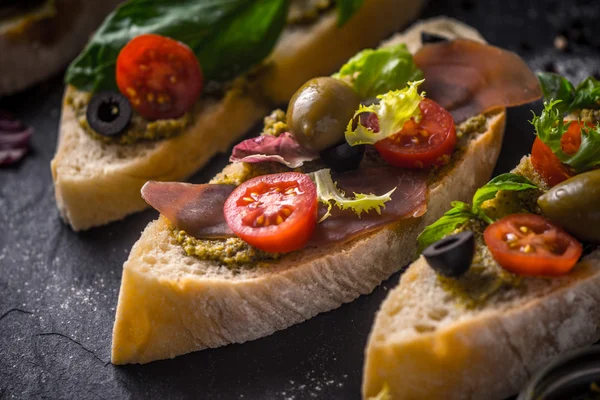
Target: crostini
[509, 280]
[262, 247]
[38, 38]
[177, 106]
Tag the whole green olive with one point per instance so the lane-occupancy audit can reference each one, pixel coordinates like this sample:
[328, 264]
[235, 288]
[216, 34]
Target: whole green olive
[320, 111]
[575, 205]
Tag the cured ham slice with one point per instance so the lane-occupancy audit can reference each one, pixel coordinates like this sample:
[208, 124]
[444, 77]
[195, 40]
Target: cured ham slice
[469, 78]
[198, 209]
[283, 149]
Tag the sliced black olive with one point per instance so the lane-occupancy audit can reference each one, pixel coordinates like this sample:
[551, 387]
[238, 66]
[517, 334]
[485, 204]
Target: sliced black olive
[452, 256]
[427, 37]
[343, 157]
[108, 113]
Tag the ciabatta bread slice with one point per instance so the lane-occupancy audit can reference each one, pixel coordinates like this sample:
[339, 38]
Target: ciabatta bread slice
[39, 43]
[171, 303]
[96, 183]
[425, 344]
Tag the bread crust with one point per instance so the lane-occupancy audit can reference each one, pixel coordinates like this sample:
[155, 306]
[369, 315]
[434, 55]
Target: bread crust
[45, 46]
[489, 354]
[172, 304]
[93, 193]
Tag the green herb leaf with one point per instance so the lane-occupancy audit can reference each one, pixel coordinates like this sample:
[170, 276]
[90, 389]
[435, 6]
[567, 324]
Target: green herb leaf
[556, 87]
[393, 110]
[457, 216]
[587, 94]
[329, 194]
[374, 72]
[228, 36]
[347, 9]
[512, 182]
[550, 127]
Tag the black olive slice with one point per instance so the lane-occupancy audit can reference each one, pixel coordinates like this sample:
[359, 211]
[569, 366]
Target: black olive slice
[427, 37]
[343, 157]
[452, 256]
[108, 113]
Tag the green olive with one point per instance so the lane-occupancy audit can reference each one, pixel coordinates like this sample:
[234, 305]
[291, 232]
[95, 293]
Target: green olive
[320, 111]
[575, 205]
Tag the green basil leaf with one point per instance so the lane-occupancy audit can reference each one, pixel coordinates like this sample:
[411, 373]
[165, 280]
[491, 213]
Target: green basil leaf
[512, 182]
[346, 9]
[556, 87]
[459, 214]
[588, 155]
[228, 36]
[375, 72]
[587, 94]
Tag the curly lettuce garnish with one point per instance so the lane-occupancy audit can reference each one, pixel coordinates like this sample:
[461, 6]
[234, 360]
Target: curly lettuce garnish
[550, 127]
[329, 194]
[394, 109]
[373, 72]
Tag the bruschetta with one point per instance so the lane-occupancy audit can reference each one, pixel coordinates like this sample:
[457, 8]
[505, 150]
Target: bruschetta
[508, 280]
[177, 106]
[38, 38]
[278, 237]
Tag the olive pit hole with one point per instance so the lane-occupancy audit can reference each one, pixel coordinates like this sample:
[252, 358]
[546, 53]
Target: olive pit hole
[108, 111]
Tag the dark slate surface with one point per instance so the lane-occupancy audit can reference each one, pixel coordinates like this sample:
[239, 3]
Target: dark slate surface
[58, 289]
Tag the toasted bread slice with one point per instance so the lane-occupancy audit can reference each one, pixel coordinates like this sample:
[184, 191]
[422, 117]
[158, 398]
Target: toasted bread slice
[426, 345]
[96, 183]
[40, 42]
[171, 303]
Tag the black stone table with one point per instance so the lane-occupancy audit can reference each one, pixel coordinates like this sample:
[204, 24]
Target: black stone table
[58, 289]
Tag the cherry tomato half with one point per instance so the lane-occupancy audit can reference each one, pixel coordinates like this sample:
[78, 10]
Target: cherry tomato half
[424, 144]
[275, 213]
[528, 244]
[545, 162]
[160, 76]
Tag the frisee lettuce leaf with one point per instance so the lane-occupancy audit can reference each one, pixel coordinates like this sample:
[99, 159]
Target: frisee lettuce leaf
[550, 127]
[394, 109]
[329, 194]
[461, 213]
[557, 87]
[373, 72]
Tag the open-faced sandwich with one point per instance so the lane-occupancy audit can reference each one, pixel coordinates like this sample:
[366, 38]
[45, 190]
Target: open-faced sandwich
[39, 37]
[508, 281]
[278, 237]
[164, 85]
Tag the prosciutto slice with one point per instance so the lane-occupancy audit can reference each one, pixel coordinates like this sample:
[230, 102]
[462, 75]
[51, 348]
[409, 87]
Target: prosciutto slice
[469, 78]
[198, 209]
[283, 149]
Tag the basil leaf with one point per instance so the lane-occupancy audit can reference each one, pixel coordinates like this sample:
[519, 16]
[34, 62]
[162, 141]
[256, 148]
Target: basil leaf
[587, 94]
[228, 36]
[459, 214]
[588, 155]
[556, 87]
[375, 72]
[346, 9]
[512, 182]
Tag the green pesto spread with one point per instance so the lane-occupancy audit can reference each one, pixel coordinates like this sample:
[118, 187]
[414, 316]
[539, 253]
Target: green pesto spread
[591, 116]
[275, 123]
[139, 128]
[305, 12]
[232, 252]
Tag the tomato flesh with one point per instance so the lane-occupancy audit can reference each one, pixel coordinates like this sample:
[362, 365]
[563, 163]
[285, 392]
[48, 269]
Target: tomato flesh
[160, 76]
[421, 144]
[547, 164]
[275, 213]
[528, 244]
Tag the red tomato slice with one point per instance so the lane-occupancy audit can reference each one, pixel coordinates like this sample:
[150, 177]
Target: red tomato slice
[424, 144]
[160, 76]
[545, 162]
[275, 213]
[528, 244]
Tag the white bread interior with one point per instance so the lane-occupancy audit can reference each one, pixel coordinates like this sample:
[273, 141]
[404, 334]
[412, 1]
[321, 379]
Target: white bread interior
[96, 183]
[171, 303]
[26, 60]
[426, 345]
